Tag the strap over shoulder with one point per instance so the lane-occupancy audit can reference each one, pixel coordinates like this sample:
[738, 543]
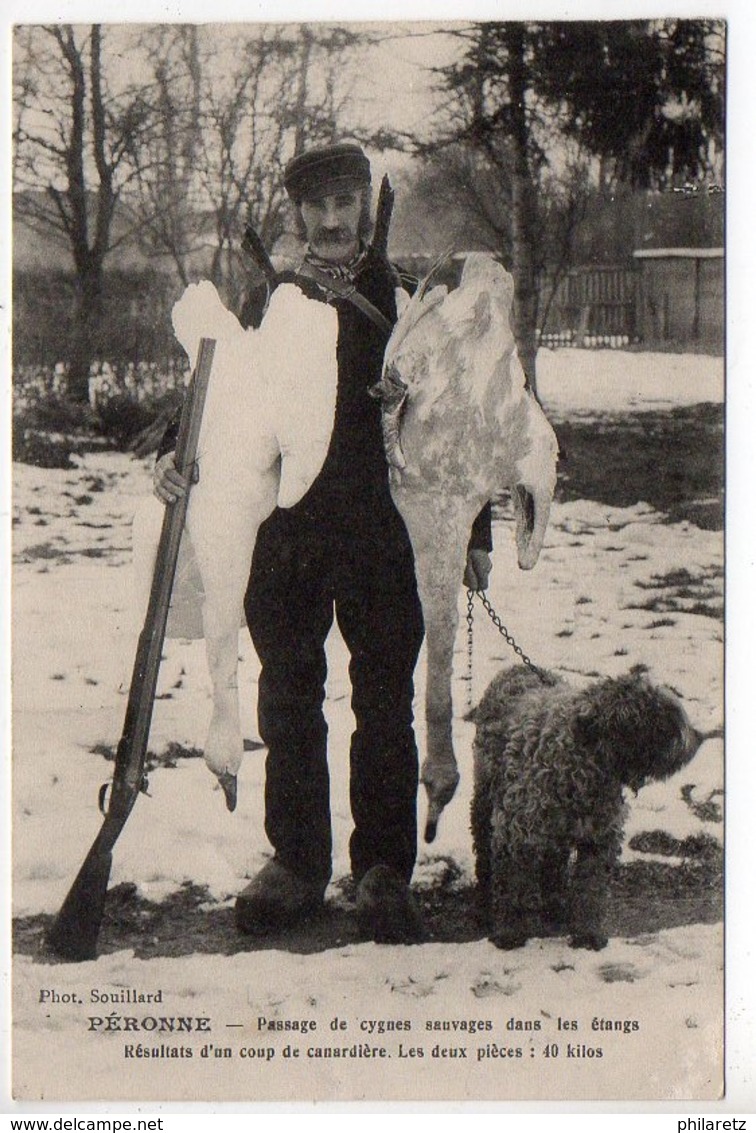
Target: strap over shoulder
[342, 289]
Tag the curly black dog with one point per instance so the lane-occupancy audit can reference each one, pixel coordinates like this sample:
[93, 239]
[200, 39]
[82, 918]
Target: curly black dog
[551, 762]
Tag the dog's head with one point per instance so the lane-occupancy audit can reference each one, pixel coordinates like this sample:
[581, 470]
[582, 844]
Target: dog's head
[640, 728]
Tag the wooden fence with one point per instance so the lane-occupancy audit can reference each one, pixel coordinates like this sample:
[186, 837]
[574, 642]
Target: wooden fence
[593, 306]
[670, 298]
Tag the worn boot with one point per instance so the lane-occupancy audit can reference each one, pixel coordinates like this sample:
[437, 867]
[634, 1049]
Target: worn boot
[386, 909]
[277, 898]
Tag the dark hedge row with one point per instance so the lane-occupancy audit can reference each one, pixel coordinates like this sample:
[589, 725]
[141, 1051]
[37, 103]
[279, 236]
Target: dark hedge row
[136, 324]
[133, 382]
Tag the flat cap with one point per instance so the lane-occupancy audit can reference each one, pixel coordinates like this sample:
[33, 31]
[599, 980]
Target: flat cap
[325, 169]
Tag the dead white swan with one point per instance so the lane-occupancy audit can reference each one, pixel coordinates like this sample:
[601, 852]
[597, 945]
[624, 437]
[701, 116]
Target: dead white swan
[265, 432]
[459, 426]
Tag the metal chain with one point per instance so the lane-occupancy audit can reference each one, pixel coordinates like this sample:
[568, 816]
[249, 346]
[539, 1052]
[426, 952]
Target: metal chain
[470, 596]
[481, 594]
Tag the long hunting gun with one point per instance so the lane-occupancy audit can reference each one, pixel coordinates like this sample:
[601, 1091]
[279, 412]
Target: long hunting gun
[76, 928]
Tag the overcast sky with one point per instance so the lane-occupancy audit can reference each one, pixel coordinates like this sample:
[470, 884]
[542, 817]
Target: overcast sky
[396, 86]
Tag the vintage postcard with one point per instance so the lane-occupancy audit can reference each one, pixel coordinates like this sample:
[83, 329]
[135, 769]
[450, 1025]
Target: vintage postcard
[219, 889]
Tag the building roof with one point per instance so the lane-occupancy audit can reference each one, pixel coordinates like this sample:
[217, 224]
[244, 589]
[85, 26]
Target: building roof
[679, 253]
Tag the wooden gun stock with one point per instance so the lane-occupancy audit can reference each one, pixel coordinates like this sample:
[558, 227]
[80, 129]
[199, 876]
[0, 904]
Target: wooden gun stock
[75, 930]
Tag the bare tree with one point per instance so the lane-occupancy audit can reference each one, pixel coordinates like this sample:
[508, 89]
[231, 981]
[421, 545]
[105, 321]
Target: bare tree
[72, 135]
[165, 155]
[226, 109]
[460, 199]
[645, 95]
[171, 136]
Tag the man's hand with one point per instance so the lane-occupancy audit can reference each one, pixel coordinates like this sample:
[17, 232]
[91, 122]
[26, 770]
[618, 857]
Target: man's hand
[477, 570]
[167, 483]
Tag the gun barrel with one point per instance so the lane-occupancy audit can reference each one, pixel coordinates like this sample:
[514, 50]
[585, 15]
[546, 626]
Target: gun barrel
[77, 926]
[254, 247]
[383, 216]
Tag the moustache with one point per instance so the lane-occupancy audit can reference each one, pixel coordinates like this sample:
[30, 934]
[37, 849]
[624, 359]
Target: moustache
[338, 235]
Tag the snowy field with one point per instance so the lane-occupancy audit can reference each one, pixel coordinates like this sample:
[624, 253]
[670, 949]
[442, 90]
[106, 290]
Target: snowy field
[655, 997]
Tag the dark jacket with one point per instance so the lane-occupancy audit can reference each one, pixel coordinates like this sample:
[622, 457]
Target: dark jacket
[355, 466]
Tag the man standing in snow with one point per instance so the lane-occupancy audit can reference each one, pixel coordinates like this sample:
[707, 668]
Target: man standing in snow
[342, 549]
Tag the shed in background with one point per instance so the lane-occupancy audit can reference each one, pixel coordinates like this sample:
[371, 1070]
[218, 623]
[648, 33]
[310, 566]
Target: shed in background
[681, 296]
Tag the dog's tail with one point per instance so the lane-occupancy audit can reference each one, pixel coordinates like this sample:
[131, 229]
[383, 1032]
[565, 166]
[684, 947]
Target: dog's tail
[713, 734]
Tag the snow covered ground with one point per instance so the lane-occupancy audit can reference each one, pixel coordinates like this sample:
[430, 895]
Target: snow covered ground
[580, 382]
[580, 611]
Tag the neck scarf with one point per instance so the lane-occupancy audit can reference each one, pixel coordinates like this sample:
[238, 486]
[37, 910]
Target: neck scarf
[346, 271]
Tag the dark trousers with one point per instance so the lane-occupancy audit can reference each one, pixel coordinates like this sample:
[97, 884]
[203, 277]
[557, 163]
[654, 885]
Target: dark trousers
[304, 569]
